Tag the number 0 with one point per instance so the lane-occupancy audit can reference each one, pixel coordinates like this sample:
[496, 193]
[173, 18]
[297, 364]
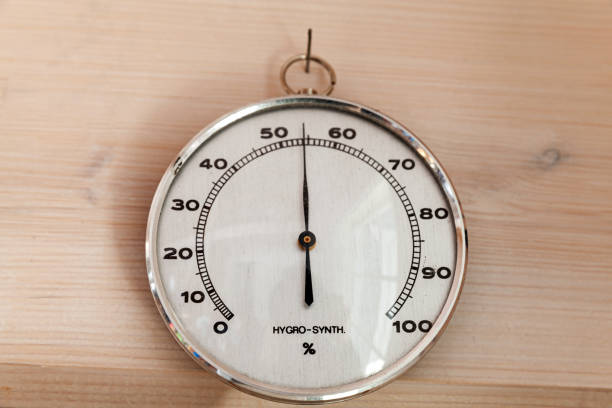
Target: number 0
[220, 327]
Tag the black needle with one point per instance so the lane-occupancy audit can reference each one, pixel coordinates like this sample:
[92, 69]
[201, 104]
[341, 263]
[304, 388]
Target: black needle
[308, 284]
[305, 186]
[306, 238]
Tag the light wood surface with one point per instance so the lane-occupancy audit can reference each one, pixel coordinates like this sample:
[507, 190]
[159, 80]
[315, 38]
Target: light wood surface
[96, 98]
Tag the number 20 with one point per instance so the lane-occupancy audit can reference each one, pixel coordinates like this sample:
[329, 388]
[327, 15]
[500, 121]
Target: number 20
[182, 253]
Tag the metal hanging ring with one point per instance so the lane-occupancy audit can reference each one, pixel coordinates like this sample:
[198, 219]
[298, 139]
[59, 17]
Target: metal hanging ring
[309, 91]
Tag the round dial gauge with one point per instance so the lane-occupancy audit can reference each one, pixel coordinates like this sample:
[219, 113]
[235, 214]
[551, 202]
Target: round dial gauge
[306, 249]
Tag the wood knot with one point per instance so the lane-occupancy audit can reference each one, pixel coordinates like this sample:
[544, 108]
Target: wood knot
[548, 158]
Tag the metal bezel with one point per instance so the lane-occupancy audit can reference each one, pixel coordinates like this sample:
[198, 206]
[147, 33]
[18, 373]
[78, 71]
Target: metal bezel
[296, 395]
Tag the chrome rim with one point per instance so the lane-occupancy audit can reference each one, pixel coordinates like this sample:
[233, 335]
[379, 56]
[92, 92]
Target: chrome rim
[296, 395]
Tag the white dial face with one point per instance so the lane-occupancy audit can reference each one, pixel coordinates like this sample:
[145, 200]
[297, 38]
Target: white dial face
[303, 247]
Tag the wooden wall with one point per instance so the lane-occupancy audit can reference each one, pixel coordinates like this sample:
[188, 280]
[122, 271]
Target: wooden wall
[96, 97]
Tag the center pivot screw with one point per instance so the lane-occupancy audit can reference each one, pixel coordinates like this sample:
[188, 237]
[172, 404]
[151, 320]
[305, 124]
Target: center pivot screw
[307, 240]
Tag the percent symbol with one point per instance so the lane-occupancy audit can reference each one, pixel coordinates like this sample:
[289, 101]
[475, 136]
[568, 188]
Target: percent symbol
[309, 348]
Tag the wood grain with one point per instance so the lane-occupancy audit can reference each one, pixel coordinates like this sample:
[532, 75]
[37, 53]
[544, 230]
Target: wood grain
[96, 97]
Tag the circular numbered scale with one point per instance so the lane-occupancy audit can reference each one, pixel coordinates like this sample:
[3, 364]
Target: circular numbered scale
[306, 249]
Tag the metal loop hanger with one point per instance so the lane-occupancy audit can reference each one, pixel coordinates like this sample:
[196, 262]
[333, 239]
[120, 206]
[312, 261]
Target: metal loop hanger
[307, 57]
